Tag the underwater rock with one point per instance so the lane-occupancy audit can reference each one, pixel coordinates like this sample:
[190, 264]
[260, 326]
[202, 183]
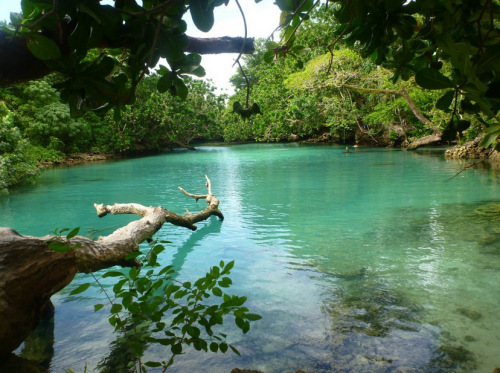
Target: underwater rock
[489, 239]
[491, 212]
[360, 274]
[454, 358]
[457, 354]
[473, 315]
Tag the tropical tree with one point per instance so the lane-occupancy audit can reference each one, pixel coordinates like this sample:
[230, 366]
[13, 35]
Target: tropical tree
[157, 120]
[15, 163]
[409, 38]
[414, 38]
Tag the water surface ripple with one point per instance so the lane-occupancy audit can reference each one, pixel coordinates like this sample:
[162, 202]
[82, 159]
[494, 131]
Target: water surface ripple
[359, 262]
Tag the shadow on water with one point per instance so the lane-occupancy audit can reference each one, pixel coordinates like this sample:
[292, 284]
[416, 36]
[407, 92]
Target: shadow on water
[119, 356]
[38, 349]
[212, 227]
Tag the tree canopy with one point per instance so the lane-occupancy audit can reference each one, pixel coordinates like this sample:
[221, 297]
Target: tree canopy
[413, 39]
[57, 36]
[448, 46]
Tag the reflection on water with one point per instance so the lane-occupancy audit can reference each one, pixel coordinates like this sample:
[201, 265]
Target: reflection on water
[365, 262]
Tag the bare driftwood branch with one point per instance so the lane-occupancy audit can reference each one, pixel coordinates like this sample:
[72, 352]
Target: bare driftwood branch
[30, 273]
[426, 140]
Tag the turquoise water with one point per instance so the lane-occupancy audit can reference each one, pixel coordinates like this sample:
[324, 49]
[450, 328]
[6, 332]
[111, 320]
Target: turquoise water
[359, 262]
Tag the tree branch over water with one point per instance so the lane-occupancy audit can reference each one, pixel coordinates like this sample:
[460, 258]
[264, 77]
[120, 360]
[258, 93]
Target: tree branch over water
[30, 272]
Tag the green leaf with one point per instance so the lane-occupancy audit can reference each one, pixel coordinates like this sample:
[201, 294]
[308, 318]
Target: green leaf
[99, 68]
[133, 273]
[234, 350]
[80, 289]
[163, 70]
[193, 331]
[445, 100]
[429, 78]
[253, 316]
[152, 364]
[270, 45]
[177, 348]
[113, 274]
[136, 347]
[202, 14]
[165, 270]
[43, 48]
[286, 5]
[180, 88]
[490, 60]
[223, 347]
[268, 56]
[240, 323]
[239, 301]
[285, 17]
[217, 292]
[97, 307]
[228, 267]
[405, 26]
[152, 258]
[133, 255]
[214, 347]
[491, 134]
[115, 308]
[445, 42]
[59, 247]
[16, 17]
[73, 233]
[164, 83]
[300, 49]
[462, 125]
[199, 72]
[246, 327]
[158, 249]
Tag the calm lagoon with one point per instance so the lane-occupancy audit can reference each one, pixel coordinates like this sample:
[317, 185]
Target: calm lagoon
[362, 262]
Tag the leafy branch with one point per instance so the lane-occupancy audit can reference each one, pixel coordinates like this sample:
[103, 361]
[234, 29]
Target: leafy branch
[147, 295]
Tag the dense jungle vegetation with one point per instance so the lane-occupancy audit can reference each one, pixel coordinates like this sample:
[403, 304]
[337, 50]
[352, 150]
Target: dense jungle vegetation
[82, 76]
[347, 91]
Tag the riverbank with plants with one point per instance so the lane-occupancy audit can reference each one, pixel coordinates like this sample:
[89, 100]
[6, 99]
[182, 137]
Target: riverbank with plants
[317, 94]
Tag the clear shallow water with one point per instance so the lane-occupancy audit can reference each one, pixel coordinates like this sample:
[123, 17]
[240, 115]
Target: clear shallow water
[360, 262]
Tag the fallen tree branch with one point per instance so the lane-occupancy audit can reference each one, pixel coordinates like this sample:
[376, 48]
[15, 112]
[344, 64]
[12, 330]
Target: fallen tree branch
[18, 64]
[30, 272]
[426, 140]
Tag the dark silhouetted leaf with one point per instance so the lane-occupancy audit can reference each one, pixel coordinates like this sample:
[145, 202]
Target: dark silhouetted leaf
[429, 78]
[43, 48]
[202, 14]
[445, 100]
